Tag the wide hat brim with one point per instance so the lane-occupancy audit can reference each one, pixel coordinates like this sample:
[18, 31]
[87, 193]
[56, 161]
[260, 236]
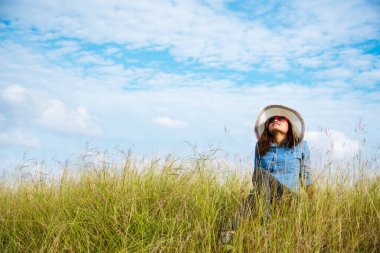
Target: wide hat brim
[279, 110]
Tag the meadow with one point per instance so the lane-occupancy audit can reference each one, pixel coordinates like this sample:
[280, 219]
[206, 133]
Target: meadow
[180, 205]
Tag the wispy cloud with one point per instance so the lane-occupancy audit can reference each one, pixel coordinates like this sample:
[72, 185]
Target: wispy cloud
[334, 145]
[119, 71]
[191, 30]
[24, 109]
[168, 122]
[19, 137]
[57, 116]
[13, 94]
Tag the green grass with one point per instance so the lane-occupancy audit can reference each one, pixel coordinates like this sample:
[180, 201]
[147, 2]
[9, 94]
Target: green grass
[179, 206]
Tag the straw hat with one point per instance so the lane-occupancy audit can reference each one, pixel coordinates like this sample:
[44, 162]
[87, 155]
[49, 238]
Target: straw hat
[279, 110]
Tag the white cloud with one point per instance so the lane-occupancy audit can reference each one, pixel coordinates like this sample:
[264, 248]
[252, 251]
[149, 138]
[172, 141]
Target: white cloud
[275, 64]
[14, 94]
[168, 122]
[23, 107]
[369, 78]
[55, 93]
[357, 59]
[336, 73]
[332, 145]
[206, 33]
[334, 22]
[310, 62]
[64, 47]
[19, 137]
[112, 50]
[205, 103]
[88, 58]
[207, 99]
[56, 115]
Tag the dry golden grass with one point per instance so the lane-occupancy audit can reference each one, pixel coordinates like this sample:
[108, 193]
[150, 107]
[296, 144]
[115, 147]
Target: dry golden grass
[180, 206]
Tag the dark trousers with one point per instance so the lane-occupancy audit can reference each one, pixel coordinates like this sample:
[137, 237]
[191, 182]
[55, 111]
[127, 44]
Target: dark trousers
[267, 187]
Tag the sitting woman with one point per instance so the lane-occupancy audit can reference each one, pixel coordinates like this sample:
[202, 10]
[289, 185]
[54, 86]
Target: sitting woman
[282, 160]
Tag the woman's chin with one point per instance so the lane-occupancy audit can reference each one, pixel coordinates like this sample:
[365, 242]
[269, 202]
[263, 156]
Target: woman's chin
[277, 130]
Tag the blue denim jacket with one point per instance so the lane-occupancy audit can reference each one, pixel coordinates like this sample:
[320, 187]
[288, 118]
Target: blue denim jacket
[290, 166]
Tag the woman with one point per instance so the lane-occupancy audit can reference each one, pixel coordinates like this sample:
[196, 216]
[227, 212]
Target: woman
[281, 155]
[282, 159]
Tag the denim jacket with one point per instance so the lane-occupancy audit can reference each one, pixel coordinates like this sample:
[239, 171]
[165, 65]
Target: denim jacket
[290, 166]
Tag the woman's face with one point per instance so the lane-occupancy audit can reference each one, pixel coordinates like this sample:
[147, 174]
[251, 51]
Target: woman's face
[278, 124]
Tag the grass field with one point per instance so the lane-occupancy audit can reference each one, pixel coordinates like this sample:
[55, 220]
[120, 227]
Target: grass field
[169, 205]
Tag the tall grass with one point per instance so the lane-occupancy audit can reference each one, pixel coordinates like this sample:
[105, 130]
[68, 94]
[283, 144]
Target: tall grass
[174, 205]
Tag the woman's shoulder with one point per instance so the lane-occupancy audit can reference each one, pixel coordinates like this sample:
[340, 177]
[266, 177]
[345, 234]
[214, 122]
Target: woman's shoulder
[303, 146]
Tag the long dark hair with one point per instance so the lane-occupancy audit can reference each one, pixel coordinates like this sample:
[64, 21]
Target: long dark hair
[266, 139]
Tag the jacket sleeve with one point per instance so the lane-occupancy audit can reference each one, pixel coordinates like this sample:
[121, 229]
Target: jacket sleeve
[257, 163]
[305, 172]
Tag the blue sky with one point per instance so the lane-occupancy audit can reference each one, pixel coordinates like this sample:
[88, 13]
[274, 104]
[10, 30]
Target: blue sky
[155, 75]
